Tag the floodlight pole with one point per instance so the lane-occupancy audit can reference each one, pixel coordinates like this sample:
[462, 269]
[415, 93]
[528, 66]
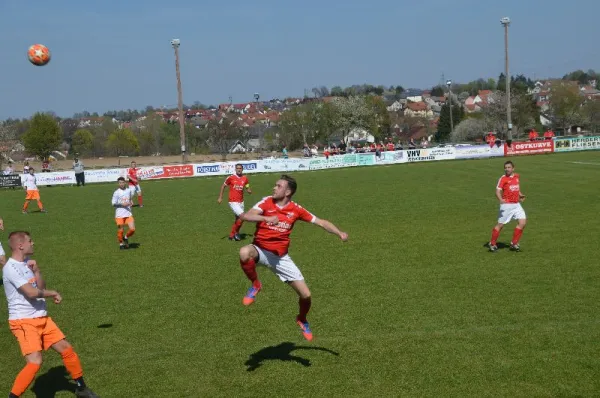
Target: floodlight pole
[176, 43]
[449, 84]
[506, 23]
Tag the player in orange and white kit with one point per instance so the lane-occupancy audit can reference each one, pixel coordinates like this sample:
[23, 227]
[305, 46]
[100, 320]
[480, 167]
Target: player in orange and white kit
[237, 183]
[134, 183]
[28, 318]
[275, 217]
[33, 193]
[122, 200]
[508, 192]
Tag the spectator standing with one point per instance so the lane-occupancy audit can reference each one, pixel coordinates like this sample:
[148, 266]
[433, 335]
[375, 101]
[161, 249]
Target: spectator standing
[79, 173]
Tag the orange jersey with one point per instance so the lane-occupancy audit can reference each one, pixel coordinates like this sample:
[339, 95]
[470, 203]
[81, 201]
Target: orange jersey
[236, 187]
[510, 188]
[132, 176]
[276, 238]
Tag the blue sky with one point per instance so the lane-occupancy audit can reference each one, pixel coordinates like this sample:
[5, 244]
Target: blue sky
[116, 54]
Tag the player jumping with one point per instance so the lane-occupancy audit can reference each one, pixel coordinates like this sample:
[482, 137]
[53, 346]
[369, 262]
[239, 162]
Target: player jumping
[134, 183]
[237, 183]
[28, 319]
[122, 200]
[509, 194]
[275, 217]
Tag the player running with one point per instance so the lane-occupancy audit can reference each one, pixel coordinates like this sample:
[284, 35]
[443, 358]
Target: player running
[122, 200]
[275, 217]
[237, 183]
[134, 183]
[33, 193]
[508, 192]
[28, 319]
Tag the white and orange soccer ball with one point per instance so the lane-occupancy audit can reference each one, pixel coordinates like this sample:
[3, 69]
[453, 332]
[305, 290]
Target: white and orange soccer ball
[38, 54]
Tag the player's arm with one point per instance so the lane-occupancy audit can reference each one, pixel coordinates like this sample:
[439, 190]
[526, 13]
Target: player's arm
[222, 191]
[248, 188]
[499, 195]
[115, 200]
[27, 289]
[331, 228]
[1, 224]
[39, 280]
[255, 215]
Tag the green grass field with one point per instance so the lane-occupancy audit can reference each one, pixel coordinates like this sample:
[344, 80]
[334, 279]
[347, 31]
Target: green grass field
[412, 305]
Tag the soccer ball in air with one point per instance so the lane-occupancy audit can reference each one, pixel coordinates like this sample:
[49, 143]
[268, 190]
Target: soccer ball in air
[38, 54]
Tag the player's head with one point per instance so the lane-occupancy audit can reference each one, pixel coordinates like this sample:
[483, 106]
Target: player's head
[31, 170]
[239, 169]
[122, 182]
[133, 164]
[284, 187]
[509, 167]
[20, 242]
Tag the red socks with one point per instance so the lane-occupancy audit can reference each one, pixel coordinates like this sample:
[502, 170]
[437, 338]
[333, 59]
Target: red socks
[24, 379]
[120, 235]
[130, 232]
[495, 235]
[235, 228]
[249, 268]
[304, 304]
[516, 235]
[140, 202]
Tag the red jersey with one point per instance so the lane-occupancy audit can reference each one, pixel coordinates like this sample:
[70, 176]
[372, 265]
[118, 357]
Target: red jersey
[236, 187]
[132, 175]
[510, 188]
[276, 238]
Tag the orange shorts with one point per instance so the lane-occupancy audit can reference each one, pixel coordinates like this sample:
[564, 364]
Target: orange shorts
[123, 220]
[35, 334]
[32, 195]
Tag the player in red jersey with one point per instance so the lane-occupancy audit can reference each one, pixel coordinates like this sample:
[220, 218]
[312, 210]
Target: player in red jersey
[134, 183]
[508, 192]
[237, 183]
[275, 217]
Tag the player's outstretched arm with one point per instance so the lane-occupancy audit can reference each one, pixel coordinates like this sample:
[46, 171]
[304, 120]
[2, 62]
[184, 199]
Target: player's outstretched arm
[221, 193]
[331, 228]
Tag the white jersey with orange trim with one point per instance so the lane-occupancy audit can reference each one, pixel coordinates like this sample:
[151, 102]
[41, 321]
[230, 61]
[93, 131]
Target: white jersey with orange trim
[124, 198]
[30, 182]
[14, 275]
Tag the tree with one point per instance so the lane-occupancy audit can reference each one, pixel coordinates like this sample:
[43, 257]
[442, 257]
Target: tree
[8, 136]
[82, 142]
[223, 133]
[444, 125]
[591, 114]
[336, 91]
[43, 136]
[350, 113]
[296, 126]
[468, 130]
[437, 91]
[122, 142]
[565, 105]
[501, 86]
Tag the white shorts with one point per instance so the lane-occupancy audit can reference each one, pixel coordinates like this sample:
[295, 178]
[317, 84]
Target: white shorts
[510, 211]
[283, 266]
[237, 207]
[136, 189]
[2, 250]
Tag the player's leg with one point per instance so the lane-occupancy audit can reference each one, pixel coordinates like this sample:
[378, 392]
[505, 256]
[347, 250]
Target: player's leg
[28, 335]
[73, 365]
[39, 202]
[249, 256]
[521, 222]
[27, 200]
[238, 209]
[120, 232]
[288, 272]
[504, 216]
[139, 195]
[130, 230]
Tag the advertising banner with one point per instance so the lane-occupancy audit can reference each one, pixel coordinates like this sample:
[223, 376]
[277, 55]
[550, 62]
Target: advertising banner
[104, 175]
[215, 169]
[283, 165]
[529, 148]
[176, 171]
[365, 159]
[10, 180]
[425, 155]
[478, 151]
[391, 157]
[576, 144]
[55, 178]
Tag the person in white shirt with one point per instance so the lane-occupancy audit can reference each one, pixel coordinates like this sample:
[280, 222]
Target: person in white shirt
[2, 253]
[26, 167]
[28, 319]
[33, 193]
[9, 169]
[122, 200]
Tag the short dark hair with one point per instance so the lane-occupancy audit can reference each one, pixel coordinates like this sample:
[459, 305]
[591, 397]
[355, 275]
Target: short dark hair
[291, 183]
[121, 179]
[239, 164]
[509, 162]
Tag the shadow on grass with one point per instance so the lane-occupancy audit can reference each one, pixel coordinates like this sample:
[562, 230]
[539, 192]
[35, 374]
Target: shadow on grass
[242, 236]
[499, 244]
[281, 352]
[105, 326]
[54, 380]
[134, 245]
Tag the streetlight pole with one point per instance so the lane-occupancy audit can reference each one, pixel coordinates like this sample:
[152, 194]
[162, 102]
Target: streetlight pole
[449, 84]
[506, 23]
[176, 43]
[260, 132]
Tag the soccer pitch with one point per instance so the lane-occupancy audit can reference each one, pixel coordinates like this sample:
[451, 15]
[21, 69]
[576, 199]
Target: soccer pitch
[412, 305]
